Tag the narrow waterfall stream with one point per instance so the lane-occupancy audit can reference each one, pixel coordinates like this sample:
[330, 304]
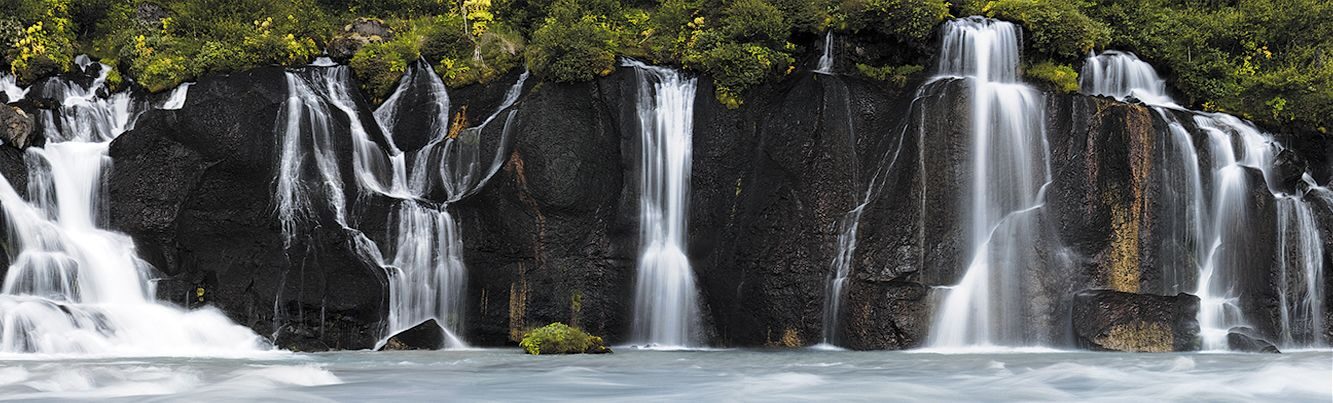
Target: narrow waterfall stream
[666, 307]
[1010, 169]
[826, 60]
[1216, 224]
[74, 287]
[424, 255]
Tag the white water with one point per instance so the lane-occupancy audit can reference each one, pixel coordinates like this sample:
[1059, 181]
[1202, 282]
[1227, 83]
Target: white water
[9, 86]
[666, 310]
[1217, 224]
[176, 99]
[74, 287]
[424, 258]
[826, 60]
[1010, 168]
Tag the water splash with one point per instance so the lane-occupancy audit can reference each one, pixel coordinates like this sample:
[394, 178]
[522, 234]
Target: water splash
[1010, 170]
[666, 310]
[74, 287]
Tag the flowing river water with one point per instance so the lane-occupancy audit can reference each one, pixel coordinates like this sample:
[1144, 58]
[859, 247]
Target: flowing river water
[715, 375]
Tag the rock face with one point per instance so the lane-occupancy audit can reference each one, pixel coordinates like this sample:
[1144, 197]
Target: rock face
[428, 335]
[553, 236]
[194, 188]
[1118, 321]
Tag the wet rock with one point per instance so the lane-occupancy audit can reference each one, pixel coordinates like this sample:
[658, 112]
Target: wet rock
[1245, 339]
[16, 126]
[426, 335]
[884, 316]
[1119, 321]
[1288, 167]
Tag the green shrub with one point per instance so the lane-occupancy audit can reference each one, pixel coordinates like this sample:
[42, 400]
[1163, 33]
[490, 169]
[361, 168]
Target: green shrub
[573, 44]
[558, 338]
[907, 20]
[804, 15]
[1059, 29]
[379, 65]
[1060, 77]
[895, 75]
[754, 21]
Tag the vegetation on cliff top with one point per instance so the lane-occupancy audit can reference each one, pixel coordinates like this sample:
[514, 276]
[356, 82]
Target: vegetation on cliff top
[1267, 60]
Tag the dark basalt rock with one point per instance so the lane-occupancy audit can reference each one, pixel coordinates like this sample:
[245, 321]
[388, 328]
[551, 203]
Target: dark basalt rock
[1119, 321]
[426, 335]
[194, 189]
[1288, 167]
[884, 316]
[1245, 339]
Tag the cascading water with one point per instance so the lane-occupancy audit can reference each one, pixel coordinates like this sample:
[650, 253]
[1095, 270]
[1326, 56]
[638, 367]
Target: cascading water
[10, 88]
[424, 257]
[666, 311]
[826, 60]
[1010, 169]
[1215, 225]
[74, 287]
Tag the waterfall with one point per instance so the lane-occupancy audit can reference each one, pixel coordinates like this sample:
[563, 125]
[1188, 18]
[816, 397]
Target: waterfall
[666, 311]
[424, 252]
[826, 60]
[1010, 169]
[1216, 224]
[73, 286]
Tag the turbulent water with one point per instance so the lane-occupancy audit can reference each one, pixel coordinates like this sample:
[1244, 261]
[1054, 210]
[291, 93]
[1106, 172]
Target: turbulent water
[74, 287]
[793, 375]
[1009, 171]
[666, 310]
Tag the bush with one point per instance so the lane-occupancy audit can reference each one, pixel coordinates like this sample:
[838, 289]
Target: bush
[573, 44]
[1059, 29]
[909, 21]
[380, 64]
[1059, 77]
[809, 16]
[754, 21]
[558, 338]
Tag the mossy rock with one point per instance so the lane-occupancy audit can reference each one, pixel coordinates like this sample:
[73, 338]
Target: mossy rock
[559, 338]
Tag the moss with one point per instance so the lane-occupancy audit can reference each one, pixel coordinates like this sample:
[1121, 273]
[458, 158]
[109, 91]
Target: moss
[558, 338]
[894, 75]
[1059, 77]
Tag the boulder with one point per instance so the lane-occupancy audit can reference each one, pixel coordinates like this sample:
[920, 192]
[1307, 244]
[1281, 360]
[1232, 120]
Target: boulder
[1107, 320]
[16, 126]
[428, 335]
[1246, 340]
[359, 33]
